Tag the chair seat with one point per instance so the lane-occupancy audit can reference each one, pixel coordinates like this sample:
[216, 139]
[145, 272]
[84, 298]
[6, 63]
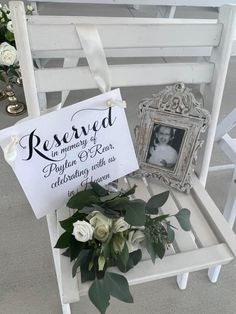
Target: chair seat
[210, 241]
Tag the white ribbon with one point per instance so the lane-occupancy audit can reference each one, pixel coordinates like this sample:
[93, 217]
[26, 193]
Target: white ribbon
[94, 52]
[114, 102]
[10, 152]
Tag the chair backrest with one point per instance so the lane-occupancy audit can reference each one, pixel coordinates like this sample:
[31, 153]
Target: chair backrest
[55, 37]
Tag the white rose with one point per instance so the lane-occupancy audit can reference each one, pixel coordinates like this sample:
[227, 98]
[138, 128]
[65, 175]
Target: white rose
[82, 231]
[7, 54]
[10, 26]
[134, 239]
[98, 218]
[120, 225]
[101, 225]
[101, 232]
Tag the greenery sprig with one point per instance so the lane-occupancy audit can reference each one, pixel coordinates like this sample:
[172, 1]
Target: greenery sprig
[109, 229]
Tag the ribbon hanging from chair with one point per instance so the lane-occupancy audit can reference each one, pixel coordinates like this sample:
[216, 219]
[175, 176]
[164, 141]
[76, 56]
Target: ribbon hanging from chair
[94, 52]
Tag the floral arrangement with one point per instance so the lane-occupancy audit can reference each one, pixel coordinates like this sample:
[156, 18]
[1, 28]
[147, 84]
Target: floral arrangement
[9, 65]
[109, 228]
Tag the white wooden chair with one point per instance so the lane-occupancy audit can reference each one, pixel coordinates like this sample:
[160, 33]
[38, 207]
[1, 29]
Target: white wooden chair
[211, 241]
[228, 144]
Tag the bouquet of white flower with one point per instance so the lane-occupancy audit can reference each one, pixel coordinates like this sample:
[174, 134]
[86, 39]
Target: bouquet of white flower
[108, 229]
[9, 66]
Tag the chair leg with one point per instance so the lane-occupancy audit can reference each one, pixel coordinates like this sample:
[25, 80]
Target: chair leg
[213, 273]
[172, 12]
[52, 227]
[230, 215]
[66, 309]
[182, 281]
[230, 205]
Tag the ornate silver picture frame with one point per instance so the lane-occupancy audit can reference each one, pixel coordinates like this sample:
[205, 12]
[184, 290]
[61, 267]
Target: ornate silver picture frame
[168, 136]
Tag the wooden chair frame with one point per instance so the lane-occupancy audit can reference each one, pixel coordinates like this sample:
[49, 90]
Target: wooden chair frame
[211, 241]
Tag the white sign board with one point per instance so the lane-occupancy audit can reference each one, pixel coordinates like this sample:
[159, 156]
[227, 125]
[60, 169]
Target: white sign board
[61, 152]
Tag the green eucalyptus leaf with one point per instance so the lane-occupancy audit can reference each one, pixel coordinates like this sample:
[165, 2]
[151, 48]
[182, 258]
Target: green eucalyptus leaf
[67, 224]
[124, 256]
[105, 211]
[183, 217]
[1, 74]
[118, 202]
[64, 241]
[106, 247]
[86, 274]
[151, 250]
[118, 287]
[99, 295]
[134, 258]
[155, 202]
[160, 249]
[75, 248]
[111, 213]
[130, 191]
[109, 197]
[98, 189]
[170, 233]
[135, 213]
[82, 199]
[87, 210]
[82, 256]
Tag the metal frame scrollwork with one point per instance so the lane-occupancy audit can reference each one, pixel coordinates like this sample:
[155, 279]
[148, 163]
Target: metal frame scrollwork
[174, 107]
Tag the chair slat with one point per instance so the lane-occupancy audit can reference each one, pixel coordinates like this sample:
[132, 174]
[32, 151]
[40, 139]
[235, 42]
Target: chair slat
[129, 36]
[130, 52]
[50, 80]
[175, 264]
[60, 20]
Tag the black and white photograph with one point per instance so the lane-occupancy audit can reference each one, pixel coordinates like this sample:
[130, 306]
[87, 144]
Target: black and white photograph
[165, 145]
[168, 136]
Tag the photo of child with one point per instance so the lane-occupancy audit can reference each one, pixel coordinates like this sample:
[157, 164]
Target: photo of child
[164, 146]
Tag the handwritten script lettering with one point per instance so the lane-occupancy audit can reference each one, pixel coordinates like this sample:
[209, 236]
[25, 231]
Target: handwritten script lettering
[33, 144]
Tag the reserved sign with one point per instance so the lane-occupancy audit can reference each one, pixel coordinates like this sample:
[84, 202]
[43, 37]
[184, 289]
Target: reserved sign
[59, 153]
